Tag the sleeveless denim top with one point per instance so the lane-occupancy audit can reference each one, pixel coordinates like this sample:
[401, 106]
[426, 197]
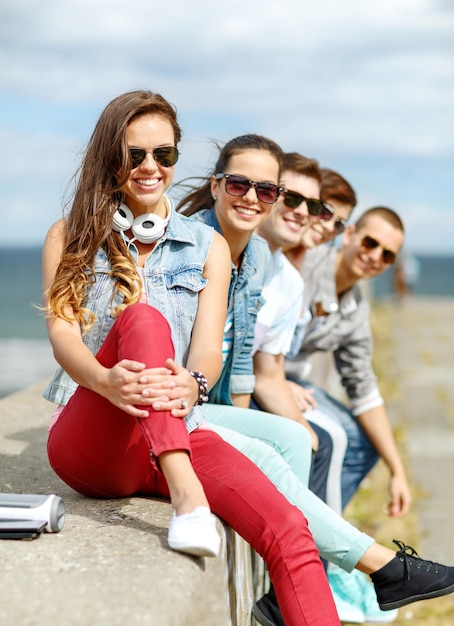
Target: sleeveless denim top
[173, 280]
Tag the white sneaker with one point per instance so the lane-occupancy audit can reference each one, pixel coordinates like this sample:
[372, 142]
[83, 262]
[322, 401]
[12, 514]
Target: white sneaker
[194, 533]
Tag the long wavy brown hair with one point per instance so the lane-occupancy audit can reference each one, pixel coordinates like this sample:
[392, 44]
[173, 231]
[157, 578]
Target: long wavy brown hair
[105, 167]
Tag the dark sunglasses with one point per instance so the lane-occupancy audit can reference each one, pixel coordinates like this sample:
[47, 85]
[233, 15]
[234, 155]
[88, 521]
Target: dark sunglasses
[165, 156]
[388, 256]
[239, 186]
[339, 225]
[317, 208]
[293, 199]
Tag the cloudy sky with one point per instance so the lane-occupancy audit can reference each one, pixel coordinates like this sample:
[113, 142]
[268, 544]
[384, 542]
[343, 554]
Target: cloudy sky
[367, 88]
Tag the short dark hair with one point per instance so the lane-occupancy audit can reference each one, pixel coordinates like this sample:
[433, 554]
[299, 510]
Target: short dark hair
[385, 213]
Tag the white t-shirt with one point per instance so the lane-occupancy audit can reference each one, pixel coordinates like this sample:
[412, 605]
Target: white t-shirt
[276, 320]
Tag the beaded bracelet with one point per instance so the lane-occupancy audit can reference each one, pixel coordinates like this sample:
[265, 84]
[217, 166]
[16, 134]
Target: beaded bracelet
[203, 386]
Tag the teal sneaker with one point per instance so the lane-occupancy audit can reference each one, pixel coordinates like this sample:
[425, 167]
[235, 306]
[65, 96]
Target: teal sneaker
[347, 611]
[347, 599]
[357, 596]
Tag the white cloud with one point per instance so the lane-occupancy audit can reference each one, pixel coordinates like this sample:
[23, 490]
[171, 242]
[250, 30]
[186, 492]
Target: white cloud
[328, 78]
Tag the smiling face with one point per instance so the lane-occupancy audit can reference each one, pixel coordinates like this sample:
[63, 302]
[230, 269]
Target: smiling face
[357, 261]
[241, 215]
[322, 231]
[285, 226]
[147, 183]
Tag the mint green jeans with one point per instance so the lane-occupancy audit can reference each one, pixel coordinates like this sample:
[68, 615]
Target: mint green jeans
[281, 448]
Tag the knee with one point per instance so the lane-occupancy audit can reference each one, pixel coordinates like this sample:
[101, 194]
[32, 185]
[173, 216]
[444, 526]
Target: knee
[294, 436]
[143, 313]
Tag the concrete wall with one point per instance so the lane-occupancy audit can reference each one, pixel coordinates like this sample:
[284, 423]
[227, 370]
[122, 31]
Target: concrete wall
[110, 565]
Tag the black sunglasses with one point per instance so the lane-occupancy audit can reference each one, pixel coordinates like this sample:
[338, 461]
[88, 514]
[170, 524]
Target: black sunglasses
[339, 225]
[293, 199]
[317, 208]
[388, 256]
[236, 185]
[165, 156]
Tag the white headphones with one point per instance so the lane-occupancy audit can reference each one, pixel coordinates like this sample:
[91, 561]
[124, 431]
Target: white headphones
[146, 228]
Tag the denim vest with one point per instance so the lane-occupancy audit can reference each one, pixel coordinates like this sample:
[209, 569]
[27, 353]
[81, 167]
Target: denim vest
[173, 280]
[245, 293]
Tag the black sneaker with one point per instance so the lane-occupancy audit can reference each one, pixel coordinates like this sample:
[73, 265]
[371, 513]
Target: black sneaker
[407, 579]
[266, 611]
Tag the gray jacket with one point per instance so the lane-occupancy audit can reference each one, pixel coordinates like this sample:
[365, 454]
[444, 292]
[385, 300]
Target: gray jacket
[344, 331]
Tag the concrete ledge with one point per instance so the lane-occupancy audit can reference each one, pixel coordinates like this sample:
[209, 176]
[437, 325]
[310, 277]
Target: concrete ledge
[110, 564]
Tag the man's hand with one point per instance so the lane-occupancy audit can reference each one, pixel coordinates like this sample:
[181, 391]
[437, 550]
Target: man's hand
[400, 496]
[303, 397]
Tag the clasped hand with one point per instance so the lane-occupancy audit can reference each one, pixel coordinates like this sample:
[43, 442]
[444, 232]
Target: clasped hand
[132, 387]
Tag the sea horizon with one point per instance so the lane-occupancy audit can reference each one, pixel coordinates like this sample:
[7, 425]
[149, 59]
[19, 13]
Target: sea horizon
[26, 355]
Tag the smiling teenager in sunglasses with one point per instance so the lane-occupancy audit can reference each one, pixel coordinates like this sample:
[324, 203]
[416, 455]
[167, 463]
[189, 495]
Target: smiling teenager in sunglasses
[338, 199]
[240, 206]
[340, 325]
[98, 275]
[297, 210]
[353, 595]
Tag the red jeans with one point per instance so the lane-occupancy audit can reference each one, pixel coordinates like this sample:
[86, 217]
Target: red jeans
[101, 451]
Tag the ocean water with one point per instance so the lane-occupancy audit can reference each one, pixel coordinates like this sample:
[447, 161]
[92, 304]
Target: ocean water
[25, 353]
[434, 277]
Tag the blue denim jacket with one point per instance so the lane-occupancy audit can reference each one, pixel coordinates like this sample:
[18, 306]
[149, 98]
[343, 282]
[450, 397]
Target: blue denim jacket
[173, 280]
[245, 293]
